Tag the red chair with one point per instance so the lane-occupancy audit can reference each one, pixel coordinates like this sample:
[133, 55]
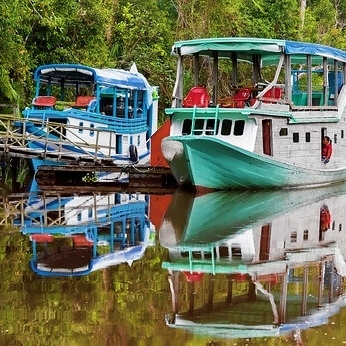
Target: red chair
[198, 96]
[44, 101]
[238, 100]
[275, 93]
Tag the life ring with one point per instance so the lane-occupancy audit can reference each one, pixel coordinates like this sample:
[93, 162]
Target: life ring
[133, 153]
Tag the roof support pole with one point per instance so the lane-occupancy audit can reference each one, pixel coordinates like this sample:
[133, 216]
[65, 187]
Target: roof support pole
[309, 75]
[256, 69]
[177, 96]
[325, 81]
[196, 67]
[234, 70]
[288, 77]
[336, 84]
[215, 76]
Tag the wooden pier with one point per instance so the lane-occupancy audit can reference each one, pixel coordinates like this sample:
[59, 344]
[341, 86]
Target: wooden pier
[77, 178]
[80, 172]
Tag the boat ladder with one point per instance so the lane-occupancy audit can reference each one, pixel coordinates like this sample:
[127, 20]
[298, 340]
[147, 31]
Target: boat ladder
[207, 258]
[205, 114]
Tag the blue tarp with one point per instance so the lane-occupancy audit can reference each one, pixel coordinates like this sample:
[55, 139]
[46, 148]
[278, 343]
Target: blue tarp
[247, 46]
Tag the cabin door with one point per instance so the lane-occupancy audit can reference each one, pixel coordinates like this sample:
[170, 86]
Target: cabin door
[264, 250]
[323, 133]
[267, 137]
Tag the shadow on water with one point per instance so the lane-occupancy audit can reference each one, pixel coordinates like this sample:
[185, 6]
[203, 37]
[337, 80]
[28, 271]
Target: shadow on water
[266, 265]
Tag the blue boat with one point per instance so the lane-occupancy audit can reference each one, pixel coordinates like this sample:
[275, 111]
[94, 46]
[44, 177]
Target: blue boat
[74, 235]
[85, 114]
[256, 114]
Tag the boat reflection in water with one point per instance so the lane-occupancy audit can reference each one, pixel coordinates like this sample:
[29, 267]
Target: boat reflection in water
[247, 264]
[76, 234]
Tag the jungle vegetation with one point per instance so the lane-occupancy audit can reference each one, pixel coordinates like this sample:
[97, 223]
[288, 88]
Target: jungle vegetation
[115, 33]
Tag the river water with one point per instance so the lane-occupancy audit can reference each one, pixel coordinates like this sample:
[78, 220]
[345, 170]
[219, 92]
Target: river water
[224, 268]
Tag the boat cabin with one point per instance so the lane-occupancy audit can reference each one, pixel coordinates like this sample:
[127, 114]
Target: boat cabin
[90, 114]
[237, 72]
[110, 92]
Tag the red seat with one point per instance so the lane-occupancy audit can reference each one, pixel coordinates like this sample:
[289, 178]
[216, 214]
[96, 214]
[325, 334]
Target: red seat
[83, 101]
[44, 101]
[193, 277]
[198, 96]
[81, 241]
[238, 100]
[42, 238]
[273, 93]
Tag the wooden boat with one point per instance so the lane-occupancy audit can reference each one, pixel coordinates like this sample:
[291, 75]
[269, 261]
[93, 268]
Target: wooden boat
[255, 264]
[264, 127]
[80, 113]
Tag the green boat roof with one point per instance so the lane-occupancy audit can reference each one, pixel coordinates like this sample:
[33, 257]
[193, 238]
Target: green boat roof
[246, 47]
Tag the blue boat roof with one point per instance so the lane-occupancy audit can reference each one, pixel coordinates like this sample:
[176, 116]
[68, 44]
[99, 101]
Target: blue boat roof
[84, 75]
[248, 46]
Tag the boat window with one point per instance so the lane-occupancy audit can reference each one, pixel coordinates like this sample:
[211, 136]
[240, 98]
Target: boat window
[139, 110]
[306, 234]
[236, 250]
[187, 124]
[92, 126]
[138, 140]
[196, 254]
[211, 127]
[120, 107]
[80, 130]
[199, 124]
[223, 252]
[226, 127]
[136, 103]
[283, 131]
[208, 255]
[239, 127]
[106, 106]
[294, 237]
[307, 137]
[295, 137]
[342, 134]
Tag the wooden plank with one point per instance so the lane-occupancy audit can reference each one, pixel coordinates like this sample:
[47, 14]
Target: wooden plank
[139, 178]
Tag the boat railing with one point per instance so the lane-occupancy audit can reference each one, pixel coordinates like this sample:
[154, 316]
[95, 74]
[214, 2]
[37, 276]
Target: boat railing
[118, 124]
[122, 125]
[53, 141]
[33, 221]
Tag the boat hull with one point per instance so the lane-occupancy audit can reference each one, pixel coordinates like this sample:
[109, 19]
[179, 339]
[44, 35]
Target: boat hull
[190, 217]
[208, 163]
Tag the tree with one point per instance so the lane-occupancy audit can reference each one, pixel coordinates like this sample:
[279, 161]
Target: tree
[143, 34]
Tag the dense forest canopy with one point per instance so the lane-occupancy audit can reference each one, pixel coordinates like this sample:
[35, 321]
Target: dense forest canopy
[115, 33]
